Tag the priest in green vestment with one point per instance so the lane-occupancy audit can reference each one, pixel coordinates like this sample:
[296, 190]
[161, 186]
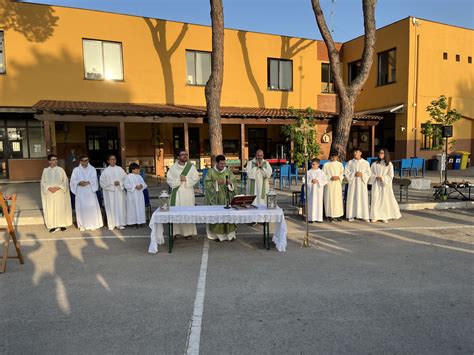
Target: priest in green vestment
[220, 184]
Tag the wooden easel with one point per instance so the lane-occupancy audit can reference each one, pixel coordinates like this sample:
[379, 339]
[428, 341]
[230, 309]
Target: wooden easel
[10, 234]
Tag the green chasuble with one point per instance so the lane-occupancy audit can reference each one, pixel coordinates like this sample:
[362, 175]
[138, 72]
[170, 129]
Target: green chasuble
[216, 195]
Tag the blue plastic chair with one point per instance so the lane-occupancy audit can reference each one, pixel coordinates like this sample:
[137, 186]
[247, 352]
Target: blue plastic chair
[146, 196]
[322, 162]
[406, 166]
[201, 180]
[418, 165]
[293, 173]
[371, 160]
[284, 174]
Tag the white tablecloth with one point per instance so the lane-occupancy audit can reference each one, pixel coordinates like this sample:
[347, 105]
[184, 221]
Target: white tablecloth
[217, 214]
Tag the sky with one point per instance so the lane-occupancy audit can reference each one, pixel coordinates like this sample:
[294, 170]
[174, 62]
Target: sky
[288, 17]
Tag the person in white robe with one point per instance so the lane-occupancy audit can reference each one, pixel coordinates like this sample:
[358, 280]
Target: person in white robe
[111, 181]
[357, 173]
[333, 204]
[316, 180]
[383, 205]
[134, 184]
[259, 172]
[84, 185]
[182, 177]
[55, 197]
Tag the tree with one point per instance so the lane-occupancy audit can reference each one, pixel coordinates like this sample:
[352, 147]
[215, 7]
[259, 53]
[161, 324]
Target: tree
[214, 84]
[347, 94]
[293, 133]
[440, 115]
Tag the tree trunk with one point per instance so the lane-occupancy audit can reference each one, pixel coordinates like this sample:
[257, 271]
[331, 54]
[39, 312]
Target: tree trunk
[347, 94]
[343, 128]
[214, 84]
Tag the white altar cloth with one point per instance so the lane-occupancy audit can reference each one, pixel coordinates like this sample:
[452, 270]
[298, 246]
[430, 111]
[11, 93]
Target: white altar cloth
[217, 214]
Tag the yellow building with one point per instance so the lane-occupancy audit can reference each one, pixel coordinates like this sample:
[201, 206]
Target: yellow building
[415, 62]
[76, 81]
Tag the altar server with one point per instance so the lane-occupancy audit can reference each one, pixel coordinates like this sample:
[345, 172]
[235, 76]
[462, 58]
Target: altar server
[182, 177]
[134, 184]
[84, 186]
[111, 181]
[333, 205]
[315, 182]
[383, 205]
[357, 173]
[55, 196]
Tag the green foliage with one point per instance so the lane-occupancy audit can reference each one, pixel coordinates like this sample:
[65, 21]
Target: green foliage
[440, 115]
[293, 133]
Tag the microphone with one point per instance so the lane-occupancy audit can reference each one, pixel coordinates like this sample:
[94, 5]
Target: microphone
[227, 192]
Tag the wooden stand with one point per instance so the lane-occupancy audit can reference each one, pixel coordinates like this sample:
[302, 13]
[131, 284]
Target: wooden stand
[10, 234]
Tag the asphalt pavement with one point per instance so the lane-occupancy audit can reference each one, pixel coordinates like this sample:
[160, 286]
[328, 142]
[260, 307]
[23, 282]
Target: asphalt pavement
[402, 287]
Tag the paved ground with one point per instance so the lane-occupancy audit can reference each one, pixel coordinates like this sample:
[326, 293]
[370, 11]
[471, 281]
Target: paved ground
[405, 287]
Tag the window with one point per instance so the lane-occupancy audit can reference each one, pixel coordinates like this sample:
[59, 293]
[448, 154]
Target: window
[280, 74]
[354, 69]
[2, 53]
[445, 56]
[432, 142]
[24, 138]
[198, 67]
[387, 67]
[327, 79]
[458, 58]
[469, 60]
[102, 60]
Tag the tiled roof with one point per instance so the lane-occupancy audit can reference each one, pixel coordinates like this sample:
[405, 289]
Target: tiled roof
[133, 109]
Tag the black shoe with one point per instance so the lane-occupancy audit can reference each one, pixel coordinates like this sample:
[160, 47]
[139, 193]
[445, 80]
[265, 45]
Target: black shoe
[53, 230]
[310, 222]
[338, 220]
[330, 219]
[63, 229]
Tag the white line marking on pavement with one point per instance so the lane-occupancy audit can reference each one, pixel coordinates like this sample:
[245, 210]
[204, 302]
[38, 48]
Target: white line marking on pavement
[382, 229]
[194, 337]
[118, 237]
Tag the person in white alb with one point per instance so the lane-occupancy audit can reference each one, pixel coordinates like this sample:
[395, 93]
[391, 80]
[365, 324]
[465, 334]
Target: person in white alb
[84, 186]
[259, 172]
[111, 181]
[55, 197]
[134, 184]
[357, 173]
[182, 177]
[333, 205]
[383, 204]
[316, 180]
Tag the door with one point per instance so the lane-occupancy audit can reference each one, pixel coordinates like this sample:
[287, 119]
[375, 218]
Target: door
[257, 140]
[3, 154]
[178, 140]
[102, 141]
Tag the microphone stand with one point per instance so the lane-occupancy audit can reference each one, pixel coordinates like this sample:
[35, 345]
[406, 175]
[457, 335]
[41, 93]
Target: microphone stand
[227, 206]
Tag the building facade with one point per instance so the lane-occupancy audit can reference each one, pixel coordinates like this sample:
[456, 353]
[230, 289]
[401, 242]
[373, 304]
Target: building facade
[415, 62]
[76, 81]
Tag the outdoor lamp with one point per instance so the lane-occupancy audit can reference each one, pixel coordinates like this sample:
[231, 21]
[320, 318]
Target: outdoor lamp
[271, 199]
[164, 201]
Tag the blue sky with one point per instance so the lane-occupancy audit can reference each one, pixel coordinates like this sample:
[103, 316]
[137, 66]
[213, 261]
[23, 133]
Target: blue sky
[288, 17]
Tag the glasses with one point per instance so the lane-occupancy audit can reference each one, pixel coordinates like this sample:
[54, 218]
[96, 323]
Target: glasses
[381, 152]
